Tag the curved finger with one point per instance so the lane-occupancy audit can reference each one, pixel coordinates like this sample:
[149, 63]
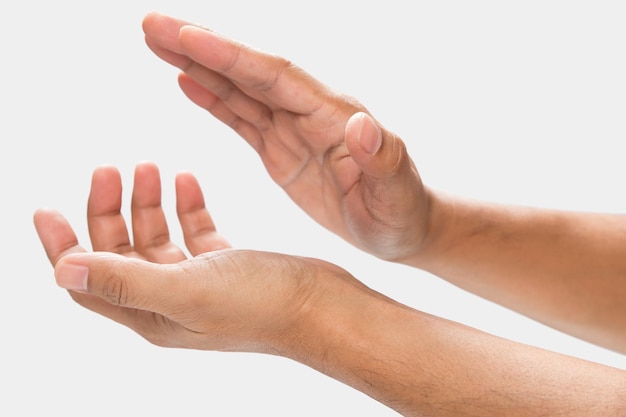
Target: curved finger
[172, 58]
[277, 79]
[210, 102]
[158, 301]
[150, 231]
[59, 240]
[56, 234]
[198, 227]
[162, 38]
[242, 104]
[107, 227]
[380, 153]
[124, 282]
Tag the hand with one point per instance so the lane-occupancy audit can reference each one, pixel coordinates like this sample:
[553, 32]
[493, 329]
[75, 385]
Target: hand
[303, 309]
[221, 299]
[331, 157]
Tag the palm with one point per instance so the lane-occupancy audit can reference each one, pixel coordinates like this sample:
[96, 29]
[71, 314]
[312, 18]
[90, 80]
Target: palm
[306, 155]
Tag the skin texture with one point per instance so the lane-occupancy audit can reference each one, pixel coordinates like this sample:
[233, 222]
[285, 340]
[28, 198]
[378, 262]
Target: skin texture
[303, 309]
[312, 140]
[355, 178]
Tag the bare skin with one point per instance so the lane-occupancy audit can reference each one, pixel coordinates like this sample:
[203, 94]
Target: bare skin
[356, 178]
[303, 309]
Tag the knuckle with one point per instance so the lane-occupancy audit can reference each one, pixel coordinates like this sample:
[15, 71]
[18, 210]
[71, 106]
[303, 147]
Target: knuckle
[115, 290]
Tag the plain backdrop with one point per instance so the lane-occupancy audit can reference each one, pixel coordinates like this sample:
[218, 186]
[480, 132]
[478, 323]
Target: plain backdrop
[514, 102]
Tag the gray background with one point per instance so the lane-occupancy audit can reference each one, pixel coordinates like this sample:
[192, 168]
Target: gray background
[515, 102]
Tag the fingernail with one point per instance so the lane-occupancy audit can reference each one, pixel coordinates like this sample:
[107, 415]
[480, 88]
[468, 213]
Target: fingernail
[370, 136]
[72, 277]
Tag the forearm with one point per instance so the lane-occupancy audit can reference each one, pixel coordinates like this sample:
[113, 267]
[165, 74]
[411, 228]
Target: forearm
[422, 365]
[565, 269]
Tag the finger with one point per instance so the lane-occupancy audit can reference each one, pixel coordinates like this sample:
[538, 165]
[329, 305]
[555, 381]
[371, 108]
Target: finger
[282, 156]
[56, 234]
[162, 30]
[282, 83]
[172, 58]
[214, 105]
[378, 153]
[59, 241]
[162, 38]
[198, 228]
[107, 228]
[160, 302]
[150, 232]
[390, 180]
[244, 105]
[122, 281]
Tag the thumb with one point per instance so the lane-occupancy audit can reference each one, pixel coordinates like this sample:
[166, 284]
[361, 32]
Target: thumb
[379, 153]
[119, 280]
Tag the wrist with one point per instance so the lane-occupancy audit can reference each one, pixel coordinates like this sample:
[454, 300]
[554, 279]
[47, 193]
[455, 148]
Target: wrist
[329, 298]
[354, 335]
[437, 218]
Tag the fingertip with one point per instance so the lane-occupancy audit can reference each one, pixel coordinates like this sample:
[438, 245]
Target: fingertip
[146, 165]
[41, 211]
[185, 177]
[104, 170]
[46, 216]
[39, 216]
[147, 171]
[193, 36]
[182, 179]
[150, 20]
[74, 271]
[71, 276]
[183, 173]
[189, 195]
[147, 17]
[366, 131]
[152, 14]
[378, 152]
[185, 30]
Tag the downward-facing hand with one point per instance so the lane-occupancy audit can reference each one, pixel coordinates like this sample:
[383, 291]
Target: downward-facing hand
[323, 148]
